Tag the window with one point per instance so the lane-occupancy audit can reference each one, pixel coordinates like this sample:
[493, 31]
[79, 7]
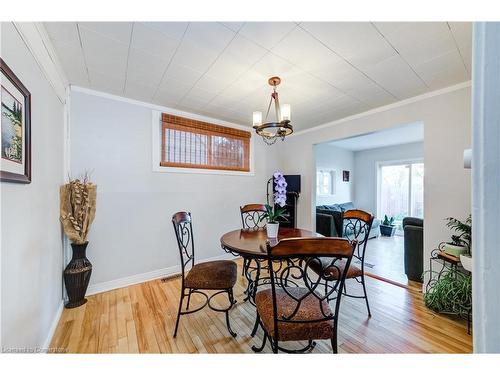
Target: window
[401, 190]
[325, 182]
[188, 143]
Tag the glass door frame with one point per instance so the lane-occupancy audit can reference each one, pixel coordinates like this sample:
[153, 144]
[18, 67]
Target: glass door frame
[378, 167]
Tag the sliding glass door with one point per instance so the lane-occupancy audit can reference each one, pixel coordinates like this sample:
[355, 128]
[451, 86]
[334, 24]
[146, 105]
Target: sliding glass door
[401, 191]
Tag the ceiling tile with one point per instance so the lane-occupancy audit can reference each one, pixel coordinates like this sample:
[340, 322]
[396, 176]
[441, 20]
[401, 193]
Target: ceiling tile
[235, 26]
[358, 42]
[298, 47]
[462, 32]
[171, 92]
[443, 70]
[199, 93]
[266, 34]
[104, 55]
[139, 91]
[272, 65]
[120, 31]
[418, 42]
[145, 69]
[65, 32]
[210, 35]
[174, 30]
[396, 77]
[72, 60]
[106, 83]
[209, 83]
[195, 57]
[243, 52]
[182, 73]
[153, 42]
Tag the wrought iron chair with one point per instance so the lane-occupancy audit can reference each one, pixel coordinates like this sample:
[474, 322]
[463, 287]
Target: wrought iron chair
[219, 275]
[357, 225]
[251, 218]
[300, 310]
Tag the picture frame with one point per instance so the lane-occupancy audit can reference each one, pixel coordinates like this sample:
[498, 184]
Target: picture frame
[345, 176]
[15, 152]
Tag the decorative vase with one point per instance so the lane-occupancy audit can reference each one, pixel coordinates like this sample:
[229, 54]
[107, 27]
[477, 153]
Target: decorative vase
[466, 262]
[272, 229]
[77, 276]
[455, 250]
[387, 230]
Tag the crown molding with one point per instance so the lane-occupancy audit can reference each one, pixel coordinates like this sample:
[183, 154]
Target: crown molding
[388, 107]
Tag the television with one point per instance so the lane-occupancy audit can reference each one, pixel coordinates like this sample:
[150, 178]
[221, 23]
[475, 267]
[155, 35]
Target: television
[293, 183]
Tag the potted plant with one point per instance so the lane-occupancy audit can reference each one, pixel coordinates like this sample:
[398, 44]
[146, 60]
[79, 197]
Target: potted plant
[387, 227]
[461, 242]
[272, 214]
[78, 203]
[452, 294]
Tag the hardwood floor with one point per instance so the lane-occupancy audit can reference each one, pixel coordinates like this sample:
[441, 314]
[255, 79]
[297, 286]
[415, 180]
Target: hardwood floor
[141, 319]
[385, 258]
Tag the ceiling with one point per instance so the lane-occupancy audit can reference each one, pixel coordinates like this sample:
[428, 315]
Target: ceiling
[329, 70]
[391, 137]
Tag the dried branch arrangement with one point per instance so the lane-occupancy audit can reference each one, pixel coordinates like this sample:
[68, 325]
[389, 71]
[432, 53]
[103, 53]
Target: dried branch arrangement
[78, 202]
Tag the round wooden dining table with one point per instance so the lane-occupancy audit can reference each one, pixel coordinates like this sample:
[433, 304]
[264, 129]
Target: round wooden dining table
[252, 243]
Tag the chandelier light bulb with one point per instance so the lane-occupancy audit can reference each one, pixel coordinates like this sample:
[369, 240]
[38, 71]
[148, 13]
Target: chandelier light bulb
[285, 112]
[257, 118]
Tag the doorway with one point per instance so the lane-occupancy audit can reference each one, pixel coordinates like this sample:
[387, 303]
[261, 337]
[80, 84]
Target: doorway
[349, 175]
[401, 191]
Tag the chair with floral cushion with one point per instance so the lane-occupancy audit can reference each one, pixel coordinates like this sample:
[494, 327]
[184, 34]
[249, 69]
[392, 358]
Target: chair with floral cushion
[357, 225]
[219, 275]
[300, 311]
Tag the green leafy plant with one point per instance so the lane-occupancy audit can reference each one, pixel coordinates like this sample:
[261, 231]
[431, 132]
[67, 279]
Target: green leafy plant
[388, 221]
[272, 214]
[463, 230]
[451, 294]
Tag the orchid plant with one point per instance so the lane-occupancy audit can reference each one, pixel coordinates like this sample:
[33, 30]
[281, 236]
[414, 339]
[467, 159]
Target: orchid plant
[279, 195]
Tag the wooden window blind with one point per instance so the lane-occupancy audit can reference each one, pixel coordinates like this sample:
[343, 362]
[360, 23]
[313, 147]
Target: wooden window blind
[188, 143]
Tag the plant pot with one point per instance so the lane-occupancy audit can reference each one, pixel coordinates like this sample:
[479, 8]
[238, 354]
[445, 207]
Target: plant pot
[77, 276]
[387, 230]
[466, 261]
[454, 250]
[272, 229]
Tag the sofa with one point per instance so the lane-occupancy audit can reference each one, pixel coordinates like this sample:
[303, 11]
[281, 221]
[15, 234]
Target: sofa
[413, 229]
[329, 220]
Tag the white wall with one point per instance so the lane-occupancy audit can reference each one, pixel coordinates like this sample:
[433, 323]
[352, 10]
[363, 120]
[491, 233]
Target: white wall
[446, 118]
[338, 159]
[31, 255]
[132, 233]
[365, 167]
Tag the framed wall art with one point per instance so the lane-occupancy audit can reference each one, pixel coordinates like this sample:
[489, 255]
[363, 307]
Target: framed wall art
[345, 176]
[15, 128]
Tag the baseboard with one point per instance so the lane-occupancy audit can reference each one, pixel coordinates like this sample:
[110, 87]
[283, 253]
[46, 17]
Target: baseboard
[46, 346]
[143, 277]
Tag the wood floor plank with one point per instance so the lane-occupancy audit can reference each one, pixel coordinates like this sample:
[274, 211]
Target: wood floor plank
[141, 319]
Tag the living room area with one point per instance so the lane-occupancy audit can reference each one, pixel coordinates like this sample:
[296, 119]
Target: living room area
[380, 172]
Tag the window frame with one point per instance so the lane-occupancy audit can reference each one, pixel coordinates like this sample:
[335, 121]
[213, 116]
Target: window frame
[333, 179]
[157, 149]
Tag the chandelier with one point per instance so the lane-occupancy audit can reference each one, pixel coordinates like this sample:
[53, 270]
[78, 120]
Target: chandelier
[271, 131]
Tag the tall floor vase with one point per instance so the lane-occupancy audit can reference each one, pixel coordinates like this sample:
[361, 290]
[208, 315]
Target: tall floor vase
[77, 276]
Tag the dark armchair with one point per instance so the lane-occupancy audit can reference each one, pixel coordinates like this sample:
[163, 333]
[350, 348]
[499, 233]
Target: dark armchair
[413, 247]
